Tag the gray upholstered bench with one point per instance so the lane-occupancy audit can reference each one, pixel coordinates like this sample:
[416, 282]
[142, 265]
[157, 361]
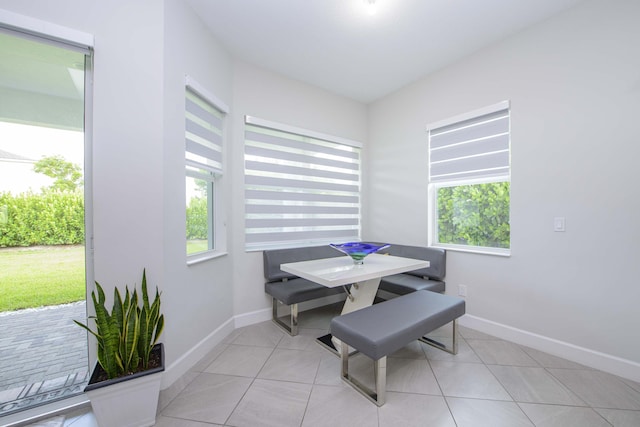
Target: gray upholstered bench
[290, 290]
[429, 279]
[384, 328]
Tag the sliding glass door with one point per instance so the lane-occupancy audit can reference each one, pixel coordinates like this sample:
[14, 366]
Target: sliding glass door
[43, 257]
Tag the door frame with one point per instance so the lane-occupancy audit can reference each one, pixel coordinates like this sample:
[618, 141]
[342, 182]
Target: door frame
[68, 38]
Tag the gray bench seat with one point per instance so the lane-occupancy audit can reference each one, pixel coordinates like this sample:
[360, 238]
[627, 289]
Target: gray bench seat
[427, 279]
[290, 290]
[294, 291]
[381, 329]
[405, 283]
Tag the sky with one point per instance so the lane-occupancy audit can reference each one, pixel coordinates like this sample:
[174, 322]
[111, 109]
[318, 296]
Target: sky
[35, 142]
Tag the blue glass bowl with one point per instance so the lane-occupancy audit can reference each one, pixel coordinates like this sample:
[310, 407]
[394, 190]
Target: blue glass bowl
[358, 250]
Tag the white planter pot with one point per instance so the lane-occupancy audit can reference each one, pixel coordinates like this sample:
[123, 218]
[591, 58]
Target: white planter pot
[127, 402]
[131, 403]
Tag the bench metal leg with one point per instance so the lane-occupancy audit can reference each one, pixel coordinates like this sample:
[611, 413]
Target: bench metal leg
[380, 370]
[454, 347]
[292, 327]
[377, 396]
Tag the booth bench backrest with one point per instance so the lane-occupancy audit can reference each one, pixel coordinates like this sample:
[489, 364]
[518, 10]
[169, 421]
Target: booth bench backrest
[437, 257]
[274, 257]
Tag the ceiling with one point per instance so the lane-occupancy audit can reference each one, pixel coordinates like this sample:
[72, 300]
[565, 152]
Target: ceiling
[339, 46]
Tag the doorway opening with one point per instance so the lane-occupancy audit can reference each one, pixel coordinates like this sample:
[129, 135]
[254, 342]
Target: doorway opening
[43, 205]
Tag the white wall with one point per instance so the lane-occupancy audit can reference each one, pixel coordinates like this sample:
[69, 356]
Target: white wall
[266, 95]
[197, 299]
[574, 86]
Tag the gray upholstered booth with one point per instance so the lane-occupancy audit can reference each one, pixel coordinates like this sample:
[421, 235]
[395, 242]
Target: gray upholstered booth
[287, 289]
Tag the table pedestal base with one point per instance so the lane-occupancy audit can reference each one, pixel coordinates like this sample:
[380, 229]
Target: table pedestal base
[327, 341]
[360, 295]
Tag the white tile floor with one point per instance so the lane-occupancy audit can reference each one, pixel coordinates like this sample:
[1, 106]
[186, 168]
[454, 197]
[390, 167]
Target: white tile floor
[260, 376]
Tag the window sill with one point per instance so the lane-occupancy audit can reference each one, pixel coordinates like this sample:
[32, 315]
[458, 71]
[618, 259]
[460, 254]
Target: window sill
[475, 250]
[204, 256]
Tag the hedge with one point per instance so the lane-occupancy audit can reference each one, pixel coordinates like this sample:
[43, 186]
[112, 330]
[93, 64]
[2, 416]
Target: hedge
[476, 215]
[49, 218]
[57, 218]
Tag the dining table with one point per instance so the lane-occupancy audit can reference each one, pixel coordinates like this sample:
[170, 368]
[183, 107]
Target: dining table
[360, 281]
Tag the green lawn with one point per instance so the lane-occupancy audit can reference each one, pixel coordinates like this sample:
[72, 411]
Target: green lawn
[195, 246]
[41, 276]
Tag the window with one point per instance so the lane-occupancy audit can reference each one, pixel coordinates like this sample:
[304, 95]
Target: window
[469, 181]
[301, 188]
[203, 152]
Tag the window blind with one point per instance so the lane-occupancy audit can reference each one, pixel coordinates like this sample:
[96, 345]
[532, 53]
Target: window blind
[300, 189]
[203, 135]
[471, 148]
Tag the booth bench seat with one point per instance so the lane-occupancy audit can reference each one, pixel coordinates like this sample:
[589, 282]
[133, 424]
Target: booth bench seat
[423, 279]
[290, 290]
[383, 328]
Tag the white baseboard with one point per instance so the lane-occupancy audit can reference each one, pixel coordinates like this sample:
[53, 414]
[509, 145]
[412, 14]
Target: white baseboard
[604, 362]
[201, 349]
[188, 360]
[181, 366]
[251, 318]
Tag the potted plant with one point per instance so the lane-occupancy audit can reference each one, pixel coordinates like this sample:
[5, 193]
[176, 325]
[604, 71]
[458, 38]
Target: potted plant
[122, 390]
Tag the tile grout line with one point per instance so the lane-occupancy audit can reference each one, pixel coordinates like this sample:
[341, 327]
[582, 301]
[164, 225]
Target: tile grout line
[253, 379]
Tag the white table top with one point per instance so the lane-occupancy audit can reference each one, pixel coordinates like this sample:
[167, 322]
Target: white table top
[339, 271]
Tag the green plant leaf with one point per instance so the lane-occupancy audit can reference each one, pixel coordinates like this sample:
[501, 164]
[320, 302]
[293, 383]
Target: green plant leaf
[107, 330]
[127, 335]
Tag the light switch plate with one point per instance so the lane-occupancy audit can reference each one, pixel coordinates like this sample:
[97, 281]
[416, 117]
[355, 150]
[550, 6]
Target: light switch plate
[558, 223]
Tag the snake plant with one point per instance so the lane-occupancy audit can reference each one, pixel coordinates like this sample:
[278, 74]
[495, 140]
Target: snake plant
[127, 334]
